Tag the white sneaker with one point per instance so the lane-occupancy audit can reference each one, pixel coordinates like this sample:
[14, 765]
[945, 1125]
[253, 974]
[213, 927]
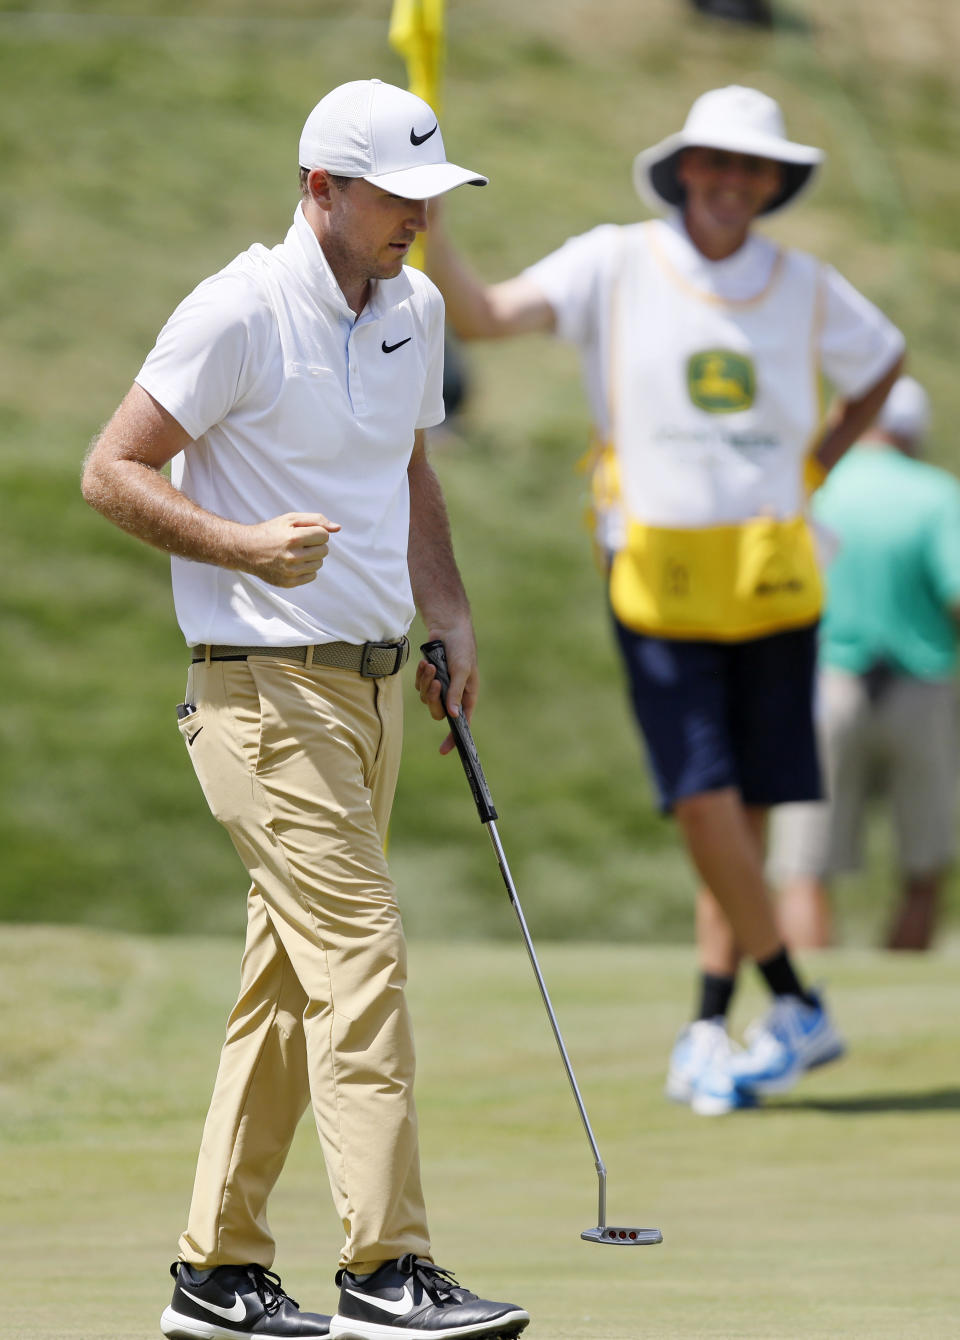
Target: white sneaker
[792, 1037]
[716, 1091]
[694, 1052]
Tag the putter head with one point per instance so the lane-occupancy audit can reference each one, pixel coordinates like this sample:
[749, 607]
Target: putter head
[623, 1237]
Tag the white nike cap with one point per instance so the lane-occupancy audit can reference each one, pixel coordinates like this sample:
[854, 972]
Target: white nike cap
[384, 134]
[906, 411]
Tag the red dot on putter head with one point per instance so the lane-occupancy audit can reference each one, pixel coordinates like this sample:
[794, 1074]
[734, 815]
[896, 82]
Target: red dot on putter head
[611, 1233]
[622, 1234]
[633, 1236]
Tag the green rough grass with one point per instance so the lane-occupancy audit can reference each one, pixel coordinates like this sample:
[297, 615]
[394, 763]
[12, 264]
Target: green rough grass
[830, 1214]
[145, 142]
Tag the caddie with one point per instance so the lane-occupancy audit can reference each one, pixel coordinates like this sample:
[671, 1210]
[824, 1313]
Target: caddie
[702, 345]
[291, 392]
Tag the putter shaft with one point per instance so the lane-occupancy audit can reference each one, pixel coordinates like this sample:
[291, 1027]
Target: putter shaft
[491, 828]
[435, 653]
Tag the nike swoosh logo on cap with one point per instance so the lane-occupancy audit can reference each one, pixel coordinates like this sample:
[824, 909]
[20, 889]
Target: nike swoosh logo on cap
[236, 1313]
[422, 139]
[389, 348]
[400, 1307]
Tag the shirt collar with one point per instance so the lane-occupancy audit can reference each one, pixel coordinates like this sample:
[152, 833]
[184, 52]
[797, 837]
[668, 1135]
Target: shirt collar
[306, 256]
[737, 276]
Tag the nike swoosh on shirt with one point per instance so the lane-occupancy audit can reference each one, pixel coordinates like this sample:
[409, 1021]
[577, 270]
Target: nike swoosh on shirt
[398, 1306]
[236, 1313]
[389, 348]
[422, 139]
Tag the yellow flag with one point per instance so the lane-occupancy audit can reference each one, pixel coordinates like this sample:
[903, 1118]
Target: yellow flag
[417, 34]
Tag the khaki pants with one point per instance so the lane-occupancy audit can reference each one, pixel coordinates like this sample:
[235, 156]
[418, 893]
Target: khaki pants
[300, 765]
[903, 744]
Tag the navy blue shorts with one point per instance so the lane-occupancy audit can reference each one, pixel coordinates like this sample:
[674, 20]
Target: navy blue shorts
[719, 714]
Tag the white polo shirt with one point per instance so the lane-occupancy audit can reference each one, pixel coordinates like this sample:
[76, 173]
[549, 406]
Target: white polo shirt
[297, 405]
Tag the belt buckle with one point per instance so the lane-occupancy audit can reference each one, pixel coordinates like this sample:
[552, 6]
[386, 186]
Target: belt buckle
[370, 648]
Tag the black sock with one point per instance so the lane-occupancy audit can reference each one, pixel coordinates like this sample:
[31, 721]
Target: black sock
[780, 976]
[716, 992]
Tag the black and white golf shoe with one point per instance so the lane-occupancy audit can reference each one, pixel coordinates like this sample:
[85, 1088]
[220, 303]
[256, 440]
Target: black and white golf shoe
[230, 1301]
[412, 1299]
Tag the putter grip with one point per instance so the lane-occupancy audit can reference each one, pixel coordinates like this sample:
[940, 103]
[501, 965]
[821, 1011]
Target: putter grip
[436, 654]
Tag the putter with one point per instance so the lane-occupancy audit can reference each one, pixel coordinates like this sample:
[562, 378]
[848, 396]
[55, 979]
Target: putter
[604, 1234]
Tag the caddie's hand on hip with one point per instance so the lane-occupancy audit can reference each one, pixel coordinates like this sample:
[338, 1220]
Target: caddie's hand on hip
[287, 550]
[461, 651]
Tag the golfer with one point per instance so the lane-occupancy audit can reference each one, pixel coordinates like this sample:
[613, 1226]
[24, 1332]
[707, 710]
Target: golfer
[702, 344]
[291, 392]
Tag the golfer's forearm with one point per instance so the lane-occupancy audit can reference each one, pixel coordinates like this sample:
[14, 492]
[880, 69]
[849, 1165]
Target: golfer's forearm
[144, 503]
[851, 418]
[438, 590]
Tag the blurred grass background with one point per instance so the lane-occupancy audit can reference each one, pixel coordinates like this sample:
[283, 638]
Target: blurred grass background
[143, 143]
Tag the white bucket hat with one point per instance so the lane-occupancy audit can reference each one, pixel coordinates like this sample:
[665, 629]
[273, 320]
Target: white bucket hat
[384, 134]
[906, 411]
[741, 120]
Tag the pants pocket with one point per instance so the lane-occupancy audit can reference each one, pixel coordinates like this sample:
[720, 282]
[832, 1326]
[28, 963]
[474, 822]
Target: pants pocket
[189, 722]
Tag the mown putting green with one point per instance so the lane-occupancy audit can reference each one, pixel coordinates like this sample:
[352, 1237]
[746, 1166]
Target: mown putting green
[832, 1213]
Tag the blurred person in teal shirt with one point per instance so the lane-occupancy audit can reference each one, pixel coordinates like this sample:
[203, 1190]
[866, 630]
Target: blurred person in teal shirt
[888, 658]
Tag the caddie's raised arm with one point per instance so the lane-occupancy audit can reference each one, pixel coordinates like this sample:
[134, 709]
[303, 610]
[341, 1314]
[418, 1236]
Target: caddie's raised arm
[479, 311]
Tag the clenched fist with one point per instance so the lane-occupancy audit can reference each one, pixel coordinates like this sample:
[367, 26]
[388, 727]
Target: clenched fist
[288, 550]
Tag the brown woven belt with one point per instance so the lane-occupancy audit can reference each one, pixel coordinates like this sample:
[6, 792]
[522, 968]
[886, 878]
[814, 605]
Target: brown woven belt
[372, 660]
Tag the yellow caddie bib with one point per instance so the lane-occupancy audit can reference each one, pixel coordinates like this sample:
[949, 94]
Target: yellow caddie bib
[724, 583]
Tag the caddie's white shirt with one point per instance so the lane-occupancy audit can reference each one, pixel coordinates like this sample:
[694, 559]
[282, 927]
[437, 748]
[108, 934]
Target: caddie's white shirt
[856, 343]
[297, 405]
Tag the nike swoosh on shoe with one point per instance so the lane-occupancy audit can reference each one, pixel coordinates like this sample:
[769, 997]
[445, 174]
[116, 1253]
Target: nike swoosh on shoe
[236, 1313]
[400, 1307]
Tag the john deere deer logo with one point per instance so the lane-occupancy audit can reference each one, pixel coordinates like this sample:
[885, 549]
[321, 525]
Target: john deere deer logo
[720, 382]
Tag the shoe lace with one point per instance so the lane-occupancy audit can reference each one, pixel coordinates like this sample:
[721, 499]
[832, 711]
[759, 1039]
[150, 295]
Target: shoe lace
[269, 1290]
[438, 1283]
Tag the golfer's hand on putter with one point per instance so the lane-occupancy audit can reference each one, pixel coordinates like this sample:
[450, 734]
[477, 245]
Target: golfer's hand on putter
[288, 550]
[461, 651]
